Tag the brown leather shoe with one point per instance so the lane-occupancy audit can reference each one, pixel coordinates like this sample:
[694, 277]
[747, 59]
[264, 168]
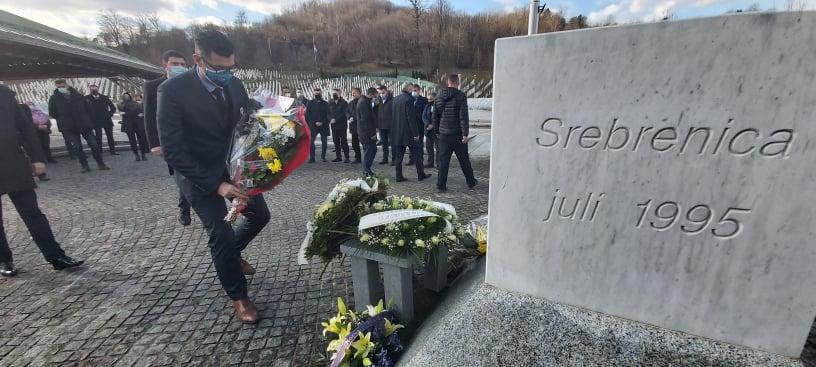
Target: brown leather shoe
[246, 311]
[246, 268]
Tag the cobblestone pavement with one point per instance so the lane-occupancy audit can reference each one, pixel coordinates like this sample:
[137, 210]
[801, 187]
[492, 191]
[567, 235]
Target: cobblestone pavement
[149, 294]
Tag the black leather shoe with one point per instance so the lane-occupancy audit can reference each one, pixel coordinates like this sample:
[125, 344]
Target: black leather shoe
[114, 153]
[470, 186]
[85, 169]
[338, 159]
[65, 262]
[7, 269]
[429, 165]
[144, 157]
[103, 167]
[347, 160]
[184, 218]
[401, 179]
[427, 176]
[311, 160]
[441, 189]
[384, 162]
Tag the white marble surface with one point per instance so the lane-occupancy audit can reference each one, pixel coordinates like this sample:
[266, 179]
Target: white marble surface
[749, 77]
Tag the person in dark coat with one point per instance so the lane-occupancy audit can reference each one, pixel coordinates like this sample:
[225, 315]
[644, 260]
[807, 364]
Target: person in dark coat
[385, 118]
[21, 158]
[133, 125]
[366, 117]
[43, 133]
[301, 99]
[431, 145]
[338, 108]
[419, 106]
[197, 114]
[352, 121]
[71, 110]
[405, 133]
[174, 64]
[102, 110]
[317, 116]
[452, 125]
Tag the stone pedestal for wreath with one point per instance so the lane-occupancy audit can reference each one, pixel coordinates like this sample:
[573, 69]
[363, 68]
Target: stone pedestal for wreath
[397, 281]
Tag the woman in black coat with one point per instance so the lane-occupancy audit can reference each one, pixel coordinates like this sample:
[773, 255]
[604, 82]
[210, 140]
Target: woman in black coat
[133, 125]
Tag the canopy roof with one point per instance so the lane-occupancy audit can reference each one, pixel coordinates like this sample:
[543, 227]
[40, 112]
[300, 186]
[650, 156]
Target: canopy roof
[30, 50]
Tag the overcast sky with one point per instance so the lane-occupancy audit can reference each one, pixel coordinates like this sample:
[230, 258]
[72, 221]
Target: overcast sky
[78, 16]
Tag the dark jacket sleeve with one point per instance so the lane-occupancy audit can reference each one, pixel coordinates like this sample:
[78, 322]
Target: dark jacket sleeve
[111, 108]
[28, 136]
[151, 127]
[464, 116]
[439, 106]
[411, 116]
[171, 135]
[52, 108]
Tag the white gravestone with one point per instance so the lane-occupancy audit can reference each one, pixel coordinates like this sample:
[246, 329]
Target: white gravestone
[664, 173]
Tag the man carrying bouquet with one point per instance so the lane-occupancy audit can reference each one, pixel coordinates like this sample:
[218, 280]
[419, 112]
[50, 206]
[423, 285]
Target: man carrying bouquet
[197, 113]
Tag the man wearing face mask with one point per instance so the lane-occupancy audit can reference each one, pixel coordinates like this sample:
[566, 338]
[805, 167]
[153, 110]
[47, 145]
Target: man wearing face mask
[301, 99]
[73, 115]
[197, 114]
[174, 64]
[338, 108]
[385, 117]
[352, 120]
[317, 116]
[430, 137]
[419, 106]
[102, 109]
[367, 128]
[405, 134]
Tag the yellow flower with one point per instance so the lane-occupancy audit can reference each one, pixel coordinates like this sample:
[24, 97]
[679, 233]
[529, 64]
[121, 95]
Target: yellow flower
[268, 154]
[275, 165]
[482, 247]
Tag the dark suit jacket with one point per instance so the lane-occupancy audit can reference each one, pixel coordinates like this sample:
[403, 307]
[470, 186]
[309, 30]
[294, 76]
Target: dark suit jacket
[150, 92]
[194, 134]
[404, 127]
[19, 145]
[102, 109]
[366, 121]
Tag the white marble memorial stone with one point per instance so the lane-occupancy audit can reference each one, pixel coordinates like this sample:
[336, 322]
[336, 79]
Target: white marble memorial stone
[664, 173]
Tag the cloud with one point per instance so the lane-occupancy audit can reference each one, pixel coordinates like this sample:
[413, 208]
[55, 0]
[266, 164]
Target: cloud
[645, 10]
[265, 7]
[212, 4]
[507, 5]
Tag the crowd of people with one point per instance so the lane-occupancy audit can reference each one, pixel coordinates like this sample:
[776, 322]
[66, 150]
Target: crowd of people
[188, 116]
[430, 129]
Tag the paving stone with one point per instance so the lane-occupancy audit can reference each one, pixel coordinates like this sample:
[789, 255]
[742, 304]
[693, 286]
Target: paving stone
[149, 293]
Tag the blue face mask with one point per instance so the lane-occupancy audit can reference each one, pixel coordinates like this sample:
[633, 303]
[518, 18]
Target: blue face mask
[63, 90]
[221, 77]
[176, 70]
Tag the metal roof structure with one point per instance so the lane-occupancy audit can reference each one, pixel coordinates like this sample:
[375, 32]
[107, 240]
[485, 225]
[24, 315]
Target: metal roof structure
[30, 50]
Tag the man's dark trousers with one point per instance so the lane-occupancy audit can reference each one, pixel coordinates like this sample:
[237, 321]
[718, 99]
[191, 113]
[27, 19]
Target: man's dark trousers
[416, 157]
[384, 142]
[369, 153]
[355, 144]
[339, 133]
[324, 139]
[431, 146]
[225, 243]
[26, 204]
[74, 139]
[183, 204]
[449, 145]
[109, 133]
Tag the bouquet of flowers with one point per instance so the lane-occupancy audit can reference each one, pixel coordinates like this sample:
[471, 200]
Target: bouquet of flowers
[267, 146]
[368, 338]
[400, 225]
[336, 218]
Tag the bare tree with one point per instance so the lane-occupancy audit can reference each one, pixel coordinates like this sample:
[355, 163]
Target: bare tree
[112, 27]
[241, 20]
[796, 5]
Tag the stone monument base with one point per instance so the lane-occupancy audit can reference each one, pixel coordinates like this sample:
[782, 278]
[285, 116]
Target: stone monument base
[479, 325]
